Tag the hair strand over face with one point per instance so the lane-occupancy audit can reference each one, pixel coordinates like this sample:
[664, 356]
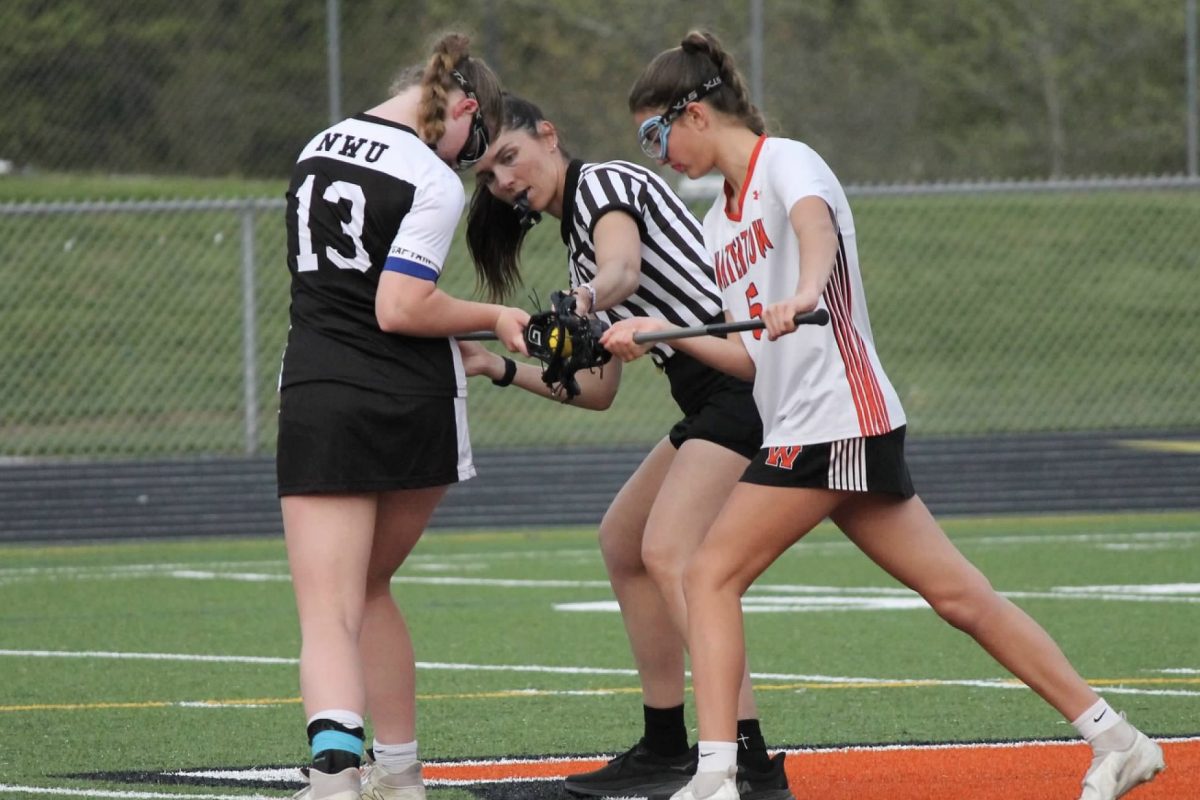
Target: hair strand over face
[494, 231]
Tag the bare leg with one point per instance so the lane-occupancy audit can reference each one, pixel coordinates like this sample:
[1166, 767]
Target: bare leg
[329, 546]
[757, 524]
[384, 643]
[693, 491]
[656, 643]
[902, 537]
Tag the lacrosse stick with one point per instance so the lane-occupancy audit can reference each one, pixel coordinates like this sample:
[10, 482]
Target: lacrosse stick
[817, 317]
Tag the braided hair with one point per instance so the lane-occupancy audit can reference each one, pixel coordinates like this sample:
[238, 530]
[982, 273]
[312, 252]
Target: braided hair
[700, 57]
[450, 53]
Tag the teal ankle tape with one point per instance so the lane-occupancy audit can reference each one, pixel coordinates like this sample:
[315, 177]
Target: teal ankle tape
[336, 740]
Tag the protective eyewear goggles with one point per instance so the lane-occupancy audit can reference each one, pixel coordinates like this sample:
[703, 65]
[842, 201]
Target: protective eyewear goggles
[653, 133]
[478, 139]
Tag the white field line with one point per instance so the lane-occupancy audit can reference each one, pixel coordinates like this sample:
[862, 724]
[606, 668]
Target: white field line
[434, 561]
[7, 788]
[1002, 683]
[837, 598]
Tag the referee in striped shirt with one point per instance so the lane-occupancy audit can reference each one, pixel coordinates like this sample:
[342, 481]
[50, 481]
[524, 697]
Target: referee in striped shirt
[634, 250]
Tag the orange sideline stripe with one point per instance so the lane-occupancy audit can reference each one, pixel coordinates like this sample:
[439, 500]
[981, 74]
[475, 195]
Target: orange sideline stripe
[1025, 770]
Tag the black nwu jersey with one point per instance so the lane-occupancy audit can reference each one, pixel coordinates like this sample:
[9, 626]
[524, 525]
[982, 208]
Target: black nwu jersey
[677, 281]
[367, 195]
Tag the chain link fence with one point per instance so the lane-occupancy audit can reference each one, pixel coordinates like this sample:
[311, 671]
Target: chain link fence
[151, 328]
[135, 329]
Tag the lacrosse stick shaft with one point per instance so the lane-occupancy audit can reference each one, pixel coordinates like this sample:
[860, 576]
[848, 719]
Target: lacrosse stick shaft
[477, 336]
[818, 317]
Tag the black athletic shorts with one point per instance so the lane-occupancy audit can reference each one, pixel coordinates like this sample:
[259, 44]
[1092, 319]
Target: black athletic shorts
[338, 438]
[865, 464]
[717, 407]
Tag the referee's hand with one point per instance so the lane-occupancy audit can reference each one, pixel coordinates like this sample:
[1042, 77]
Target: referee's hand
[618, 339]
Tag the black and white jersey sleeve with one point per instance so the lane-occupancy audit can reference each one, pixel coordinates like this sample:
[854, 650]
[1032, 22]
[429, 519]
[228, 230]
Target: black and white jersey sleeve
[677, 281]
[367, 195]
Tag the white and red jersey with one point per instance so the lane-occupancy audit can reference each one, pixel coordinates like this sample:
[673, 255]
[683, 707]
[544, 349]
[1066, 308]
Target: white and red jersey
[821, 383]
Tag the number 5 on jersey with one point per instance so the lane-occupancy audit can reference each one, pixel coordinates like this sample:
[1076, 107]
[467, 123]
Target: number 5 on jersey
[756, 309]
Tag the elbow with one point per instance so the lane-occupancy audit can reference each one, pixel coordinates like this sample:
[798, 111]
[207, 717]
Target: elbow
[388, 323]
[603, 403]
[394, 320]
[631, 279]
[744, 371]
[594, 401]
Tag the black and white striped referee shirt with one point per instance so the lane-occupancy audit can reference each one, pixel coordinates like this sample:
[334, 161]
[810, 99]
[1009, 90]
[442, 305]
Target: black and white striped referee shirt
[677, 282]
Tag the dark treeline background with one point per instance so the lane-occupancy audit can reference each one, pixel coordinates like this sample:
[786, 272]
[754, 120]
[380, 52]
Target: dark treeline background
[887, 90]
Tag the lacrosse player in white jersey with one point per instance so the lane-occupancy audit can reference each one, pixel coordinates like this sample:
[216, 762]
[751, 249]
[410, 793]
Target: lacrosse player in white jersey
[372, 421]
[783, 242]
[633, 249]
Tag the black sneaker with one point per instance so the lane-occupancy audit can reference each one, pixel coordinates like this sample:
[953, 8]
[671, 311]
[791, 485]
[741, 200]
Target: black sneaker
[771, 784]
[636, 772]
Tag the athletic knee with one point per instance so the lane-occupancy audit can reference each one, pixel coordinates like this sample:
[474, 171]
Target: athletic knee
[704, 576]
[621, 552]
[664, 564]
[966, 605]
[378, 586]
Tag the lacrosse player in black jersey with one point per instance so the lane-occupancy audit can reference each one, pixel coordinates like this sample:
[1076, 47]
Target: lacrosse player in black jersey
[372, 420]
[634, 250]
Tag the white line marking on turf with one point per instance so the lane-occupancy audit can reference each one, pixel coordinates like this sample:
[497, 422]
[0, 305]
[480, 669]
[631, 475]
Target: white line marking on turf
[1146, 589]
[1005, 683]
[148, 656]
[4, 787]
[277, 568]
[263, 774]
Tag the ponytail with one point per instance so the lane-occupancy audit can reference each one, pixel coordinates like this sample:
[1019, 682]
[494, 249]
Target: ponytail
[494, 237]
[699, 58]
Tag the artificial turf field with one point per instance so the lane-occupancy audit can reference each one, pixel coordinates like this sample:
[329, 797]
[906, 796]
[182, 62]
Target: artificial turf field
[167, 668]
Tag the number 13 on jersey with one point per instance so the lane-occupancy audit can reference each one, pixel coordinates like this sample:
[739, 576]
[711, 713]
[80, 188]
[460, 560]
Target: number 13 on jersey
[337, 195]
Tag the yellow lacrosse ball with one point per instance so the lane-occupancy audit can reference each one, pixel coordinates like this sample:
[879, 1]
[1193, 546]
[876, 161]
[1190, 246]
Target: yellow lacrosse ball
[554, 334]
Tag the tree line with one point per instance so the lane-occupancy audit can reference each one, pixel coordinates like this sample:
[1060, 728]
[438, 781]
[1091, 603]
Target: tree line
[886, 90]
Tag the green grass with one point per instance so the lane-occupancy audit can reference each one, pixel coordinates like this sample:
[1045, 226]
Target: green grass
[89, 714]
[93, 186]
[121, 334]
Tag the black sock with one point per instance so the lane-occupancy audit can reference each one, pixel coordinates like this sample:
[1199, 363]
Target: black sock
[752, 748]
[666, 733]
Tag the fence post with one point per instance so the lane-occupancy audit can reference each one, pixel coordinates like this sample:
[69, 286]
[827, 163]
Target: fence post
[756, 53]
[1193, 111]
[333, 47]
[249, 333]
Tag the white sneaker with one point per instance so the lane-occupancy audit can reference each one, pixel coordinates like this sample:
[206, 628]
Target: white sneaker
[380, 784]
[726, 790]
[1118, 771]
[340, 786]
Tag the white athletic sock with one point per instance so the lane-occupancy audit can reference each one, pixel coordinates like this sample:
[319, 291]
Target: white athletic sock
[1104, 728]
[395, 757]
[716, 756]
[717, 760]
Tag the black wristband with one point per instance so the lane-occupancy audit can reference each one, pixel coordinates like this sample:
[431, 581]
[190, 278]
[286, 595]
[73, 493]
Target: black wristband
[510, 372]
